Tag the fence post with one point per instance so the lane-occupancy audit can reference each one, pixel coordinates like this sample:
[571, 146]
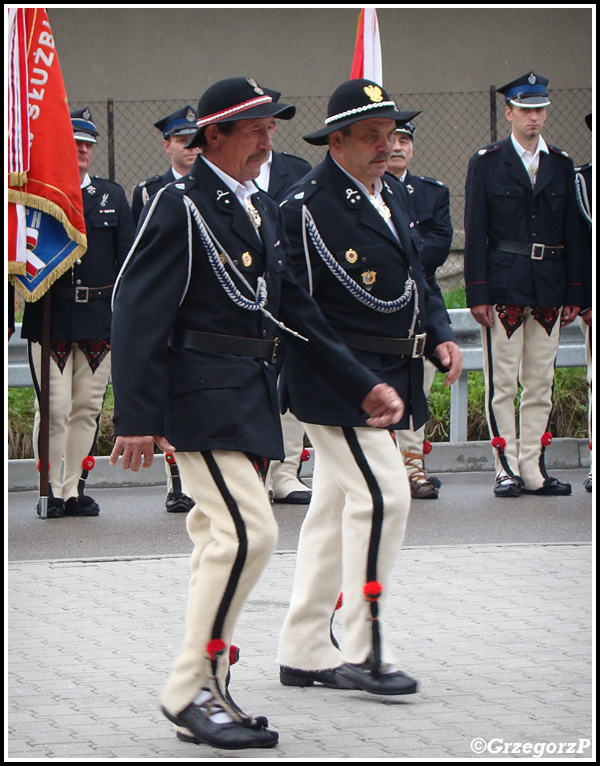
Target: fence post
[493, 115]
[110, 120]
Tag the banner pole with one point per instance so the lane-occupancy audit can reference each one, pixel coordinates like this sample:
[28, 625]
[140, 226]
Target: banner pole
[44, 445]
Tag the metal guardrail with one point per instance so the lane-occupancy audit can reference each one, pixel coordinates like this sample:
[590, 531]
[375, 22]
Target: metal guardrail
[571, 353]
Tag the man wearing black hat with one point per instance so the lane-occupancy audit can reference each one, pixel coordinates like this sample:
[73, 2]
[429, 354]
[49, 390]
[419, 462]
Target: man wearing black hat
[198, 308]
[430, 199]
[523, 281]
[176, 130]
[583, 190]
[277, 174]
[80, 333]
[355, 246]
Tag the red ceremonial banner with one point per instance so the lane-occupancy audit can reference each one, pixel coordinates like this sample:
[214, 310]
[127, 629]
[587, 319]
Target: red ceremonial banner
[42, 154]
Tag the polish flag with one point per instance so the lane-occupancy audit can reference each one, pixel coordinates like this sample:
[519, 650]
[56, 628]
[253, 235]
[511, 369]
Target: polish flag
[367, 53]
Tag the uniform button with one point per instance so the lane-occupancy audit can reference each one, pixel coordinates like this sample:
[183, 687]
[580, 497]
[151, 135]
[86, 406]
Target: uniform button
[79, 261]
[280, 262]
[235, 263]
[78, 281]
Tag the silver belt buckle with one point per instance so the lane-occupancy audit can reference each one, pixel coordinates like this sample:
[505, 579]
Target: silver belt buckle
[537, 251]
[419, 347]
[82, 294]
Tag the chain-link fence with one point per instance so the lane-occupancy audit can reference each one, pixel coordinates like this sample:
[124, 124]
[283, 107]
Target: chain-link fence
[452, 127]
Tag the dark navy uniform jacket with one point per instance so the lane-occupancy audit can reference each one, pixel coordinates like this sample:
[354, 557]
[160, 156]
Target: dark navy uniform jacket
[286, 169]
[110, 232]
[201, 400]
[501, 205]
[584, 201]
[363, 244]
[431, 203]
[151, 185]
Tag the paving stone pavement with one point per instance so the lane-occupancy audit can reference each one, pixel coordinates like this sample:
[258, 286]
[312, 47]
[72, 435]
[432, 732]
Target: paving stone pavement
[499, 636]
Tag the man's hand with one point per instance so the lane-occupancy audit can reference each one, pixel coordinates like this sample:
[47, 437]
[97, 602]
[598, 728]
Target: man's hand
[384, 406]
[587, 317]
[568, 315]
[134, 448]
[451, 357]
[483, 314]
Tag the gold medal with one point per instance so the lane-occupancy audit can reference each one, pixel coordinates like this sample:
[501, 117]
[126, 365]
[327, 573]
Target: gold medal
[351, 256]
[247, 259]
[369, 278]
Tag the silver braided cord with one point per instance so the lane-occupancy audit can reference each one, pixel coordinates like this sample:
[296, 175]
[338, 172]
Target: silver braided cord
[209, 241]
[582, 198]
[385, 307]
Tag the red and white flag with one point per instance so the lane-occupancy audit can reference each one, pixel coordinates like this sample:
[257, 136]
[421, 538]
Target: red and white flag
[367, 53]
[46, 231]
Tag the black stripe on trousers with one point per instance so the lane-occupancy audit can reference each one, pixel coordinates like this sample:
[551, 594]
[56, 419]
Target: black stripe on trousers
[376, 530]
[242, 536]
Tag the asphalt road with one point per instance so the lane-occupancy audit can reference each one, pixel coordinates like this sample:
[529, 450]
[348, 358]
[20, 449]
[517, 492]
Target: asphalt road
[133, 521]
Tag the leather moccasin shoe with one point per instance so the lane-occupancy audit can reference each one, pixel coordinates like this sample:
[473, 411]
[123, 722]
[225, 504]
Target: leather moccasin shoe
[361, 677]
[506, 486]
[227, 736]
[178, 503]
[424, 490]
[550, 487]
[55, 508]
[81, 506]
[295, 677]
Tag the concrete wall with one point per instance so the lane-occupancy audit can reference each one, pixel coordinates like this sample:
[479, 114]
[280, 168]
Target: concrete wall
[158, 53]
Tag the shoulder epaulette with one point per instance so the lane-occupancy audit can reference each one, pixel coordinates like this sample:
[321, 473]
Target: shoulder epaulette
[430, 180]
[581, 168]
[556, 150]
[302, 193]
[489, 149]
[149, 180]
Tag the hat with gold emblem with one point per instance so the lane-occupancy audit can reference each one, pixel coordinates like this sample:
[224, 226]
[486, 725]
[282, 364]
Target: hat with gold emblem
[356, 100]
[83, 127]
[528, 91]
[237, 98]
[180, 123]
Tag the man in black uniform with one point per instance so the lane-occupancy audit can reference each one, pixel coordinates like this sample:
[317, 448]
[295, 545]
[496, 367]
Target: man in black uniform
[523, 280]
[355, 246]
[277, 174]
[198, 307]
[176, 130]
[431, 203]
[583, 190]
[80, 333]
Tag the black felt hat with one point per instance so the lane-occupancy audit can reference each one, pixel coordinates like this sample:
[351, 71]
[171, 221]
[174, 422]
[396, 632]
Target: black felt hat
[356, 100]
[237, 98]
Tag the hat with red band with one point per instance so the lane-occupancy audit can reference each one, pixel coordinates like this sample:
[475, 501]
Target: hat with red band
[237, 98]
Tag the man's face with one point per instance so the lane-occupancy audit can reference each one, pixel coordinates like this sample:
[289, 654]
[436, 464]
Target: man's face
[181, 159]
[241, 153]
[402, 153]
[527, 122]
[365, 150]
[85, 151]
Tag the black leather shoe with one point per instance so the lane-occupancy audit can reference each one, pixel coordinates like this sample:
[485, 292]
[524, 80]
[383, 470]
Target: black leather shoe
[506, 486]
[299, 497]
[81, 506]
[360, 677]
[227, 736]
[55, 508]
[295, 677]
[550, 487]
[177, 502]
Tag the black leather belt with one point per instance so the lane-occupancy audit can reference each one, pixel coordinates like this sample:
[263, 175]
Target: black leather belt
[414, 347]
[225, 344]
[83, 294]
[535, 251]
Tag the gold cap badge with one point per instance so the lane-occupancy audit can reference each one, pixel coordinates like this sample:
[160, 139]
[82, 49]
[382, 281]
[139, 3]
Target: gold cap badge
[374, 93]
